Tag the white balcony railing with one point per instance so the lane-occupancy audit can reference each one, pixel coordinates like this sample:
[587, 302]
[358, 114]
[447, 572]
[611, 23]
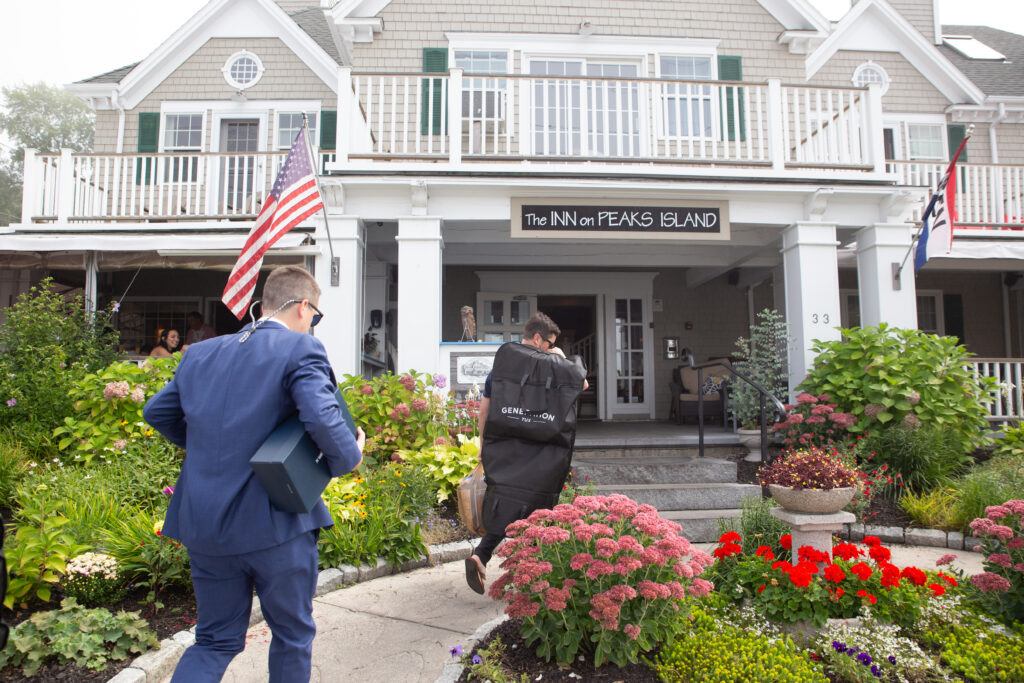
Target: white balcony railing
[987, 195]
[109, 187]
[596, 125]
[455, 116]
[1008, 397]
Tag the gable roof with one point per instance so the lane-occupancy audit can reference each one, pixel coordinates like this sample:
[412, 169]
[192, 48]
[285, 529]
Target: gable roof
[220, 19]
[873, 25]
[994, 76]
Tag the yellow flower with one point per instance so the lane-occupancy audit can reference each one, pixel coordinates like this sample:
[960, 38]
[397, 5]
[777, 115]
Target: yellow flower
[149, 432]
[158, 527]
[124, 422]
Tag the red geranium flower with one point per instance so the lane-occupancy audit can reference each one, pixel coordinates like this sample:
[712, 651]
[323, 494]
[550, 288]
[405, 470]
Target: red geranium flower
[917, 576]
[879, 553]
[782, 564]
[862, 571]
[834, 573]
[871, 540]
[786, 541]
[846, 551]
[948, 579]
[937, 589]
[864, 594]
[800, 578]
[730, 536]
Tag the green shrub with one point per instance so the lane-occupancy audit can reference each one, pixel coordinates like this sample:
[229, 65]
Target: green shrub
[48, 343]
[757, 527]
[14, 468]
[923, 456]
[445, 464]
[709, 651]
[108, 408]
[935, 509]
[762, 358]
[144, 555]
[376, 515]
[997, 480]
[884, 375]
[983, 655]
[38, 554]
[1011, 443]
[397, 412]
[88, 637]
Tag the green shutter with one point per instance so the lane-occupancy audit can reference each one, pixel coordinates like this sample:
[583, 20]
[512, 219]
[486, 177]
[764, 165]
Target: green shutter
[148, 142]
[328, 129]
[955, 133]
[730, 68]
[435, 60]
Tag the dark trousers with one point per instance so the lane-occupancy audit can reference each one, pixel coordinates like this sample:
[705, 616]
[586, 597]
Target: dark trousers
[487, 545]
[284, 577]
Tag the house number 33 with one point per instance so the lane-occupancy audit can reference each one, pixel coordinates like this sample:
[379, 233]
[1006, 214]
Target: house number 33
[819, 317]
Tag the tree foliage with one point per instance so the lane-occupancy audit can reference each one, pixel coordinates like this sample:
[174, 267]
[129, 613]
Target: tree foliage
[45, 118]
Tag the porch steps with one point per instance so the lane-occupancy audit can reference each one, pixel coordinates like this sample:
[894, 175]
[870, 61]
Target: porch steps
[695, 492]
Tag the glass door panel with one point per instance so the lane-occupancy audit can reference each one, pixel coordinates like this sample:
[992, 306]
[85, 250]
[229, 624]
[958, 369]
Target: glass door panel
[629, 352]
[501, 316]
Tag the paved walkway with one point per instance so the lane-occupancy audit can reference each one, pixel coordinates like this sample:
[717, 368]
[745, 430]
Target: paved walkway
[398, 629]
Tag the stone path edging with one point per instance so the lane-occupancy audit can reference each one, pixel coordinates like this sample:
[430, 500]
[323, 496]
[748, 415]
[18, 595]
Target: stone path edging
[157, 664]
[935, 538]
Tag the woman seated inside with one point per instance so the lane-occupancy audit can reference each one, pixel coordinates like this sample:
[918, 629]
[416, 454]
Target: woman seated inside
[170, 341]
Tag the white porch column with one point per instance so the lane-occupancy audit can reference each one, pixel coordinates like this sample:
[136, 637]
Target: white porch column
[879, 247]
[91, 274]
[341, 329]
[812, 291]
[419, 292]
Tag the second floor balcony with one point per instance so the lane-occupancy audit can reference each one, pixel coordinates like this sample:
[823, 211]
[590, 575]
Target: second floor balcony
[423, 123]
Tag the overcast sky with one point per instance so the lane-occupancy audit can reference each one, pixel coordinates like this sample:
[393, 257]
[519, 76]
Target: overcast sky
[61, 41]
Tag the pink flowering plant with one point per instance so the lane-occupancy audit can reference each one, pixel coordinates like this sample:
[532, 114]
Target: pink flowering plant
[108, 405]
[814, 421]
[398, 412]
[1001, 585]
[603, 575]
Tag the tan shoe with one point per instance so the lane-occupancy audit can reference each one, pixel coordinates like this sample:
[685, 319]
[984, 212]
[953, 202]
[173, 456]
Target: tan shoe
[476, 575]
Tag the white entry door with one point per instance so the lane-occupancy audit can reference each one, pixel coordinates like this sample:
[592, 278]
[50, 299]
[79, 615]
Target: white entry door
[500, 315]
[628, 361]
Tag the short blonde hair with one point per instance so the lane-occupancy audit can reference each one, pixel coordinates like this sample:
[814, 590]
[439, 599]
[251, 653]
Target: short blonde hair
[286, 283]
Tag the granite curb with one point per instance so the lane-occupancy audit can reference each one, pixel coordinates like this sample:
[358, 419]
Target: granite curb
[935, 538]
[157, 664]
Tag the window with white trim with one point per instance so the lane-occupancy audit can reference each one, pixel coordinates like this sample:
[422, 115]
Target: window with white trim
[242, 70]
[686, 108]
[930, 313]
[868, 73]
[290, 123]
[926, 142]
[483, 98]
[182, 133]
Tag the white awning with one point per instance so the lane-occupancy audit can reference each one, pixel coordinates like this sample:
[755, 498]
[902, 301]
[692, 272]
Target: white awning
[132, 249]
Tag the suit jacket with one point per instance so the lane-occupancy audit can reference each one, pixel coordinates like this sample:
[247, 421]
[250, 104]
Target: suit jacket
[224, 400]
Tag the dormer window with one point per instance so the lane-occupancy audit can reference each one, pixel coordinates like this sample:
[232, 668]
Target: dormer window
[242, 70]
[869, 72]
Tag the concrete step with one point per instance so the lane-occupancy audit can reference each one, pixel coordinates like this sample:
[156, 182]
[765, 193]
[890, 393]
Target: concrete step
[653, 469]
[657, 450]
[701, 526]
[685, 496]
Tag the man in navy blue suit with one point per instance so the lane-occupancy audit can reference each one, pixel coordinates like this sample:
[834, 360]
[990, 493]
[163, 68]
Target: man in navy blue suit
[227, 396]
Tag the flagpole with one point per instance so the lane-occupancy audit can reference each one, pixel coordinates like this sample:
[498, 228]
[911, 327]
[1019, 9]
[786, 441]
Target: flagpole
[316, 178]
[931, 204]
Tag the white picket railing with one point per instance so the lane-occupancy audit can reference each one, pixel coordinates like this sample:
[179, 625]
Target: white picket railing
[987, 195]
[1008, 397]
[454, 115]
[104, 187]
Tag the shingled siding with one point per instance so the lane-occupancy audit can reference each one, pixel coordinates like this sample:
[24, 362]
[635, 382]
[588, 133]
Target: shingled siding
[908, 92]
[285, 77]
[743, 27]
[920, 13]
[105, 134]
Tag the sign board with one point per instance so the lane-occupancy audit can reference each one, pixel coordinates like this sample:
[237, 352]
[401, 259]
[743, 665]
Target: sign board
[600, 219]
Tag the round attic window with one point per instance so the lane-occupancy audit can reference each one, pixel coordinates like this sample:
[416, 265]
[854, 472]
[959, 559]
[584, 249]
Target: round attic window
[869, 72]
[242, 70]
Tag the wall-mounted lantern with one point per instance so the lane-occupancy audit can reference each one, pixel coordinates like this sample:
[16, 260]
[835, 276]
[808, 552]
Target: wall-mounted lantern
[671, 347]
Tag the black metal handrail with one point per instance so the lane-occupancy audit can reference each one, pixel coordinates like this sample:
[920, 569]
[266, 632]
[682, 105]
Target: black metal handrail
[763, 394]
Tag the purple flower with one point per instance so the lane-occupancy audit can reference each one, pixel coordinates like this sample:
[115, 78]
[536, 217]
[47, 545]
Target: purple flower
[440, 381]
[476, 659]
[892, 660]
[168, 490]
[455, 651]
[864, 658]
[11, 402]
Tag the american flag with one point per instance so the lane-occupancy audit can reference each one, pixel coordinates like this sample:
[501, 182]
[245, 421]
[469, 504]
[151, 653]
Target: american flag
[937, 232]
[294, 198]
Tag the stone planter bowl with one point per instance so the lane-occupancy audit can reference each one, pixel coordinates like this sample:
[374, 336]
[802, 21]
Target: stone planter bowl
[815, 501]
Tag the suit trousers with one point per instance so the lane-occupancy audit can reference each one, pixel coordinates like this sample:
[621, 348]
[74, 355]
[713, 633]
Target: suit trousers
[284, 577]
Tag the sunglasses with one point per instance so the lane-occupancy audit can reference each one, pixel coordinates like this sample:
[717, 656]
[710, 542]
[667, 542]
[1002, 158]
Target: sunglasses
[317, 316]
